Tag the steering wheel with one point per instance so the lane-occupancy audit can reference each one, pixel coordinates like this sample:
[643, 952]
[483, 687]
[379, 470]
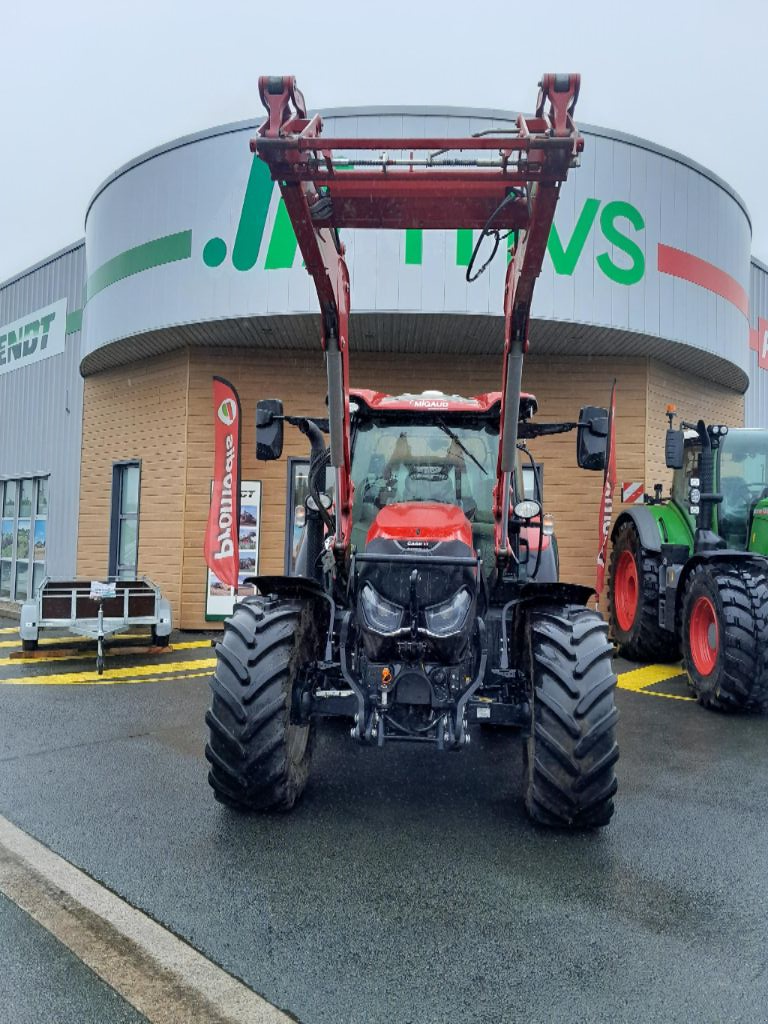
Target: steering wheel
[736, 492]
[469, 508]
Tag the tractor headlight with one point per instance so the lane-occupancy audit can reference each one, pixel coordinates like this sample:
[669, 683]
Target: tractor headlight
[695, 495]
[448, 617]
[527, 509]
[380, 615]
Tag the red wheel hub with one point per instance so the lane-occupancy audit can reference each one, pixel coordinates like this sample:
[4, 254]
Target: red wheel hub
[704, 635]
[626, 590]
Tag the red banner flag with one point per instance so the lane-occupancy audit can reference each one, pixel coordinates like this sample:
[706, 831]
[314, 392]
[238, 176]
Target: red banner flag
[606, 502]
[222, 548]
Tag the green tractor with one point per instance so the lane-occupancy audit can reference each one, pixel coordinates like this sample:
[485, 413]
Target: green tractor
[689, 573]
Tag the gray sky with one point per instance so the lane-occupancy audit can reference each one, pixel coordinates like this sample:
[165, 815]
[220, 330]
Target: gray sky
[87, 86]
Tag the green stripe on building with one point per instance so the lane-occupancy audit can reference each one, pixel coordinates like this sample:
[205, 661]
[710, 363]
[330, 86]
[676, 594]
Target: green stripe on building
[74, 321]
[167, 249]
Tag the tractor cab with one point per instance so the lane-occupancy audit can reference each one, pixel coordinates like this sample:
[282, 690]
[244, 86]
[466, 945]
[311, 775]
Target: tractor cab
[740, 477]
[416, 453]
[743, 483]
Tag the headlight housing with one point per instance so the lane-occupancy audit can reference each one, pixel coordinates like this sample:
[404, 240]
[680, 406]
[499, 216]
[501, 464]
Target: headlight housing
[449, 616]
[527, 509]
[380, 615]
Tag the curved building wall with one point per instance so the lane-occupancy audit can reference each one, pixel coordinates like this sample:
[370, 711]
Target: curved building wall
[756, 404]
[190, 244]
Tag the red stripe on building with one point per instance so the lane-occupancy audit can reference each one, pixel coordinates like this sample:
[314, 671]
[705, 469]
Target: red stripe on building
[688, 267]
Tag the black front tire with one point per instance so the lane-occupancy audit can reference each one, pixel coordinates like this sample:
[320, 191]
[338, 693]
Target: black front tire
[738, 593]
[259, 759]
[29, 645]
[572, 749]
[644, 639]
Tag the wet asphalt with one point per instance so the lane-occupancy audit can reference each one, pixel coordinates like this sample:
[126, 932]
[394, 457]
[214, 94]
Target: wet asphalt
[41, 980]
[409, 886]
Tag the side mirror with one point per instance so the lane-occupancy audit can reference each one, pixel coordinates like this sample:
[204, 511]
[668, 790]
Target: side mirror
[592, 437]
[674, 449]
[269, 429]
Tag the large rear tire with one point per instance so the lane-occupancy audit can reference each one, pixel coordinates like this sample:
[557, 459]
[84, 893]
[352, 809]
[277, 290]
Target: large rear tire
[725, 636]
[572, 749]
[633, 601]
[259, 759]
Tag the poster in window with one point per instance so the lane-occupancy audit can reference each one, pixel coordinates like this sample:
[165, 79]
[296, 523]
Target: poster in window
[40, 527]
[219, 598]
[6, 538]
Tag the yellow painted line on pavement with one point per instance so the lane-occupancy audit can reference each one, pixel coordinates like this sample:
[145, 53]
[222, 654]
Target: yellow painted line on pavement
[666, 696]
[639, 679]
[88, 652]
[9, 629]
[63, 641]
[136, 674]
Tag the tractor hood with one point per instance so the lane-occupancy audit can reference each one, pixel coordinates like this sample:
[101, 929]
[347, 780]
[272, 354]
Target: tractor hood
[416, 524]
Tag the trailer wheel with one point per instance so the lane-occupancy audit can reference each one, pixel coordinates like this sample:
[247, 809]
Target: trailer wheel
[260, 759]
[725, 636]
[633, 601]
[160, 641]
[572, 749]
[29, 645]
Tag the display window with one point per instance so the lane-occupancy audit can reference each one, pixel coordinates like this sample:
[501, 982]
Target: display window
[23, 536]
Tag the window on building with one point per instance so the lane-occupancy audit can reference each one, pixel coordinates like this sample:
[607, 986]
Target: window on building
[23, 536]
[124, 534]
[298, 489]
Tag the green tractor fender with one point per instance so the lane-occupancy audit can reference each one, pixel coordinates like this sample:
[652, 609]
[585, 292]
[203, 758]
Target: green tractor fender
[656, 525]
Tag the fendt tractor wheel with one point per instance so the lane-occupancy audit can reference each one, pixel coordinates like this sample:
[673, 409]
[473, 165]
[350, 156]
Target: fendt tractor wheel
[633, 601]
[725, 636]
[259, 759]
[571, 752]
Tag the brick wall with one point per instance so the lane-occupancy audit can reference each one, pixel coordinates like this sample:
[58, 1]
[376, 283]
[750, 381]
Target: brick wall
[136, 412]
[160, 411]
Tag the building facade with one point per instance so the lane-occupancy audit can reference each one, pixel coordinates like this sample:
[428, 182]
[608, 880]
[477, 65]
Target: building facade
[189, 268]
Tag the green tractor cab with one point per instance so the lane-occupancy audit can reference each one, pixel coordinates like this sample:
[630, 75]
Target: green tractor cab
[689, 573]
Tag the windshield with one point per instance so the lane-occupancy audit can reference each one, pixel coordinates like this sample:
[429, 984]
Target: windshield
[743, 481]
[438, 461]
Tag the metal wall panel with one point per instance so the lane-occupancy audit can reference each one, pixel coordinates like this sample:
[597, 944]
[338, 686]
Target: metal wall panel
[196, 187]
[756, 404]
[41, 405]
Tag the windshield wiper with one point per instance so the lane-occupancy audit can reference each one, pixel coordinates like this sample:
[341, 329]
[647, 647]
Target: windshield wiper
[447, 430]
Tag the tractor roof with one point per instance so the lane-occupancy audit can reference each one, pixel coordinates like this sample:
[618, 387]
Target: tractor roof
[438, 401]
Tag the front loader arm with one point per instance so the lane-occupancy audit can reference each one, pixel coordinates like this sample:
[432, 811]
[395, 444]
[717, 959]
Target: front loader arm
[493, 182]
[324, 259]
[561, 91]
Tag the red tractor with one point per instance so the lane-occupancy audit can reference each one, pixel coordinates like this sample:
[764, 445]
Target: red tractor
[427, 599]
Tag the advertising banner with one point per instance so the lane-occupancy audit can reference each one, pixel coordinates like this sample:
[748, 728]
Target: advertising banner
[219, 597]
[606, 502]
[34, 337]
[221, 537]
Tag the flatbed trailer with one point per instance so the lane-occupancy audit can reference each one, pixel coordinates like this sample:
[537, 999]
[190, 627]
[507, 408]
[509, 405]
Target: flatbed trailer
[97, 609]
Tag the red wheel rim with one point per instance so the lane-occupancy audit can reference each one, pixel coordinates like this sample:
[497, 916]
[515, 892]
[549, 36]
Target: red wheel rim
[626, 590]
[704, 636]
